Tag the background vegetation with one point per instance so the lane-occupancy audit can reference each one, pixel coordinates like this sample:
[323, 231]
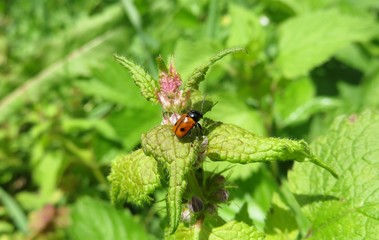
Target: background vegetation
[67, 108]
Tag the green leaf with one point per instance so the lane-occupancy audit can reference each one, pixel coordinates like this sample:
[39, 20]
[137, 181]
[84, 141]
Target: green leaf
[347, 207]
[294, 96]
[233, 144]
[252, 199]
[100, 125]
[371, 89]
[232, 109]
[198, 75]
[97, 88]
[236, 230]
[112, 83]
[304, 112]
[14, 211]
[355, 57]
[178, 156]
[133, 14]
[139, 120]
[215, 228]
[94, 219]
[303, 223]
[133, 177]
[245, 30]
[307, 41]
[162, 144]
[185, 49]
[87, 34]
[47, 171]
[32, 200]
[183, 233]
[148, 86]
[297, 103]
[281, 223]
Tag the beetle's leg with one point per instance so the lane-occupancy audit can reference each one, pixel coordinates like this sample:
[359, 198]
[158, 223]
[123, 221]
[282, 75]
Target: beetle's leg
[201, 129]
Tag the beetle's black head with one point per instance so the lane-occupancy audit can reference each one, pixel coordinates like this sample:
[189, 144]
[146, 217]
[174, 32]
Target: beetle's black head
[195, 115]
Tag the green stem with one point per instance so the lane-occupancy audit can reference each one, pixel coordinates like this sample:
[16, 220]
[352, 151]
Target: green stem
[98, 174]
[197, 229]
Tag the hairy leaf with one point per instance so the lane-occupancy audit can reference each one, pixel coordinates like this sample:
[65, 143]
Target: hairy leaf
[347, 208]
[178, 156]
[233, 144]
[148, 86]
[133, 177]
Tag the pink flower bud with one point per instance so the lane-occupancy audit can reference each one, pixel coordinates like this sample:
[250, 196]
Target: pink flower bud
[172, 99]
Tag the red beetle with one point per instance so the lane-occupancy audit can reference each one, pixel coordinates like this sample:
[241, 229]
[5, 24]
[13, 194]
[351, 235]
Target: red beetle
[186, 122]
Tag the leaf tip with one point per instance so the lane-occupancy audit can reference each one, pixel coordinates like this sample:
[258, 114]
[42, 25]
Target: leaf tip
[324, 166]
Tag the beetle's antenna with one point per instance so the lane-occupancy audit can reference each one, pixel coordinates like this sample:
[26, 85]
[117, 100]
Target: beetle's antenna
[213, 105]
[202, 104]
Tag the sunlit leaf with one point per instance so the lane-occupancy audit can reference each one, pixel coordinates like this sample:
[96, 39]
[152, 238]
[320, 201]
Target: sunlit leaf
[307, 41]
[95, 219]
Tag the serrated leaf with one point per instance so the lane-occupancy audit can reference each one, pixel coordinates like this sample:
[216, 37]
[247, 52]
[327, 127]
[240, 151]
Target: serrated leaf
[347, 208]
[177, 185]
[198, 74]
[236, 230]
[133, 177]
[308, 40]
[178, 156]
[162, 144]
[94, 219]
[231, 143]
[148, 86]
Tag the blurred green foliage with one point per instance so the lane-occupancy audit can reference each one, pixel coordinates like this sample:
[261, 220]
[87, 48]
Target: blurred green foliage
[67, 108]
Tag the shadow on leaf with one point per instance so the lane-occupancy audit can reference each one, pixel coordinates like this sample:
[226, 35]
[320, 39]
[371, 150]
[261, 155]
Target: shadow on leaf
[304, 199]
